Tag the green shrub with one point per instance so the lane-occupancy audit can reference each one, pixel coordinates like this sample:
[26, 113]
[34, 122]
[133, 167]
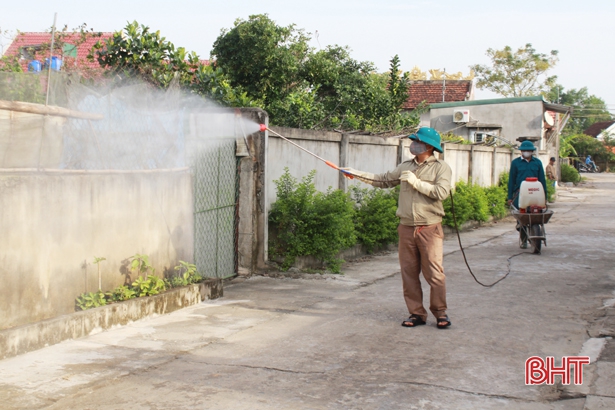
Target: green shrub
[375, 221]
[470, 202]
[503, 181]
[473, 202]
[91, 300]
[149, 285]
[496, 200]
[121, 293]
[570, 174]
[307, 222]
[186, 274]
[550, 191]
[480, 204]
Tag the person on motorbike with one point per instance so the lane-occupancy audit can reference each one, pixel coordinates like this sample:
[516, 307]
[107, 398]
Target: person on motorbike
[590, 164]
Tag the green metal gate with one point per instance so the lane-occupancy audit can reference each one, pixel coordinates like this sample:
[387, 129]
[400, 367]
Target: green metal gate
[215, 198]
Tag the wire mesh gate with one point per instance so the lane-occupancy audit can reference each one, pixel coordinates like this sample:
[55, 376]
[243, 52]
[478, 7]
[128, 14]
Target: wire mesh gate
[215, 199]
[139, 129]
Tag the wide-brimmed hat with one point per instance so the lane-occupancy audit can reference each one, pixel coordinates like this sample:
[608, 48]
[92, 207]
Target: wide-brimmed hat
[527, 146]
[429, 136]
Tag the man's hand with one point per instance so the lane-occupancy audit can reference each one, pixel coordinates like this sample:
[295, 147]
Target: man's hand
[360, 175]
[409, 177]
[510, 201]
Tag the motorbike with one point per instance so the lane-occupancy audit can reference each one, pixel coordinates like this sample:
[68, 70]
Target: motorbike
[583, 167]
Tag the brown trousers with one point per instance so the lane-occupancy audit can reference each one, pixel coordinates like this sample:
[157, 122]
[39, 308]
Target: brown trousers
[420, 250]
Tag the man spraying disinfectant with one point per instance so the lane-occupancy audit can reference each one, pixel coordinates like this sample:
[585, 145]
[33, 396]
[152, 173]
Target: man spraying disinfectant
[425, 182]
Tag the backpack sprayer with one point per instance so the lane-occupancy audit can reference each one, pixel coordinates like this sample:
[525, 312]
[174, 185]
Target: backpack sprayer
[264, 128]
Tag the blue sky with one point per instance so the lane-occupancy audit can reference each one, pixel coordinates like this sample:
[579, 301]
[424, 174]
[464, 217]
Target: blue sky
[429, 34]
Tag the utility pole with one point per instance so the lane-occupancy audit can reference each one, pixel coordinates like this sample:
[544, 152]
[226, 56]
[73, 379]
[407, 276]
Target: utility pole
[53, 35]
[444, 85]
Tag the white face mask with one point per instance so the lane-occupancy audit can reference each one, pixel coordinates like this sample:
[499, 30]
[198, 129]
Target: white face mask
[526, 154]
[417, 148]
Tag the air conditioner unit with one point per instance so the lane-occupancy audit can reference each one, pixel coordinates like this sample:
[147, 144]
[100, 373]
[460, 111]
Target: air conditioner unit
[461, 116]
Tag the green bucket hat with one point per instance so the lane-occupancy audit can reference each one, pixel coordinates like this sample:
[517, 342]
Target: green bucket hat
[429, 136]
[527, 146]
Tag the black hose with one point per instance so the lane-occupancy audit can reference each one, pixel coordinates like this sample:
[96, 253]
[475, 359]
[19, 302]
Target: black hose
[464, 254]
[457, 231]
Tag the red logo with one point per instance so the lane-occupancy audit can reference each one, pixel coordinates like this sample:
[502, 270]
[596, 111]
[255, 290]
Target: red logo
[539, 371]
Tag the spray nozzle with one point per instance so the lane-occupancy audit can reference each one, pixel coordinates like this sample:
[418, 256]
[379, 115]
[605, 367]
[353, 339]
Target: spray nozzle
[263, 127]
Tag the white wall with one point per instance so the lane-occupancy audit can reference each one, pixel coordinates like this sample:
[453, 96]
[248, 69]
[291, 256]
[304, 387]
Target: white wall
[53, 224]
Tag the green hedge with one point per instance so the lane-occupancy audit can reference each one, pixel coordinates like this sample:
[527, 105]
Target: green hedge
[305, 222]
[375, 219]
[570, 174]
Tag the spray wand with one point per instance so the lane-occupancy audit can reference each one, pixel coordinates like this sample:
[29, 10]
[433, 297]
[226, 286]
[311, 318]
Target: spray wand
[263, 128]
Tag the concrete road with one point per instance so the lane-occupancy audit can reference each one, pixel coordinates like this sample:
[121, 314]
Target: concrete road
[335, 342]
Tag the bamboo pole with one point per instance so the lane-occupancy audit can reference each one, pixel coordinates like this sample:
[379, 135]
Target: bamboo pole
[41, 109]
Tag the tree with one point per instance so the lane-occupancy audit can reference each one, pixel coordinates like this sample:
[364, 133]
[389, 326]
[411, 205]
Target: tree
[261, 57]
[300, 87]
[566, 148]
[397, 88]
[587, 145]
[587, 109]
[351, 94]
[516, 74]
[137, 52]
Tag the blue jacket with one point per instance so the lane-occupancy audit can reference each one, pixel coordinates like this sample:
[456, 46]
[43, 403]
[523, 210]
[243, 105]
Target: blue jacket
[520, 169]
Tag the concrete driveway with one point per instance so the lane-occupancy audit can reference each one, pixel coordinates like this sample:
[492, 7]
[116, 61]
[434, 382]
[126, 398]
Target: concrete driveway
[335, 342]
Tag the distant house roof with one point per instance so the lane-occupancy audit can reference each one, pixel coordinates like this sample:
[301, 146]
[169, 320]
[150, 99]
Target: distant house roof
[550, 106]
[70, 50]
[596, 128]
[431, 92]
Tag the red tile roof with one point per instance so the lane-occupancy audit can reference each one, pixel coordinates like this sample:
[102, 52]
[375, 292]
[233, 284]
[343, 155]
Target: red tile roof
[595, 129]
[37, 39]
[431, 91]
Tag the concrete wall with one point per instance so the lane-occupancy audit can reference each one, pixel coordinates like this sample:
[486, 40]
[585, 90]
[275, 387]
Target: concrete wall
[30, 140]
[270, 154]
[282, 154]
[363, 152]
[53, 224]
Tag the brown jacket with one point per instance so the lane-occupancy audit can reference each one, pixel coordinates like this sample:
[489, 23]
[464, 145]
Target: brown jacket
[421, 205]
[550, 171]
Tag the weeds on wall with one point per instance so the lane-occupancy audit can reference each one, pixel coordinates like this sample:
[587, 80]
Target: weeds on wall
[147, 285]
[305, 222]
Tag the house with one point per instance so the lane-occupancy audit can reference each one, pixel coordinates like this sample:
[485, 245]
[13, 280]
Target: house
[599, 130]
[441, 87]
[73, 47]
[502, 121]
